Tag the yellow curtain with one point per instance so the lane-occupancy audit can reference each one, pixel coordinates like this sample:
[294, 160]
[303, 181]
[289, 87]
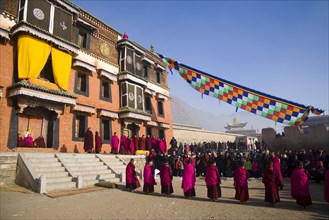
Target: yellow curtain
[61, 63]
[32, 56]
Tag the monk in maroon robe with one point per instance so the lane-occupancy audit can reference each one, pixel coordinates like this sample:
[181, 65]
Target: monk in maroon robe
[277, 168]
[241, 183]
[161, 146]
[326, 186]
[123, 142]
[142, 143]
[154, 143]
[300, 188]
[271, 187]
[166, 178]
[40, 142]
[114, 143]
[189, 180]
[98, 143]
[20, 141]
[28, 141]
[132, 181]
[89, 141]
[148, 175]
[131, 146]
[136, 143]
[148, 143]
[212, 179]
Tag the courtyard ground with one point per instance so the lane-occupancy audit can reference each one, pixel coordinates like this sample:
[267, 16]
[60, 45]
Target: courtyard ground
[19, 203]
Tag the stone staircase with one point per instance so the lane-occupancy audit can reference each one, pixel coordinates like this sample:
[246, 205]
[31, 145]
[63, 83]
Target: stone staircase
[114, 163]
[89, 168]
[8, 162]
[49, 166]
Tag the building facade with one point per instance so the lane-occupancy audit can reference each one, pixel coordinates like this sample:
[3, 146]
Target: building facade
[63, 70]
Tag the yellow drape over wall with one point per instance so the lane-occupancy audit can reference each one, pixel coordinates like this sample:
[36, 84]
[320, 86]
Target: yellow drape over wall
[32, 56]
[61, 63]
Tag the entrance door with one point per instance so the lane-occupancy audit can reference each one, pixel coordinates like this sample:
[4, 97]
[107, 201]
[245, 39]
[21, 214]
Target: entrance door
[30, 124]
[133, 129]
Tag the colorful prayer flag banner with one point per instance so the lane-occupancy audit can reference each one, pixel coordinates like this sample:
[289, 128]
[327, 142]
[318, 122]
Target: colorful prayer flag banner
[267, 106]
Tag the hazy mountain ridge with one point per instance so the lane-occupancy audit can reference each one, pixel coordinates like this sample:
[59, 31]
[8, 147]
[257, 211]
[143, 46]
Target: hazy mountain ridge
[184, 113]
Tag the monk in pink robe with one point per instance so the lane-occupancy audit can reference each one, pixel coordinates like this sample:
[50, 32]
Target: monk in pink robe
[162, 147]
[241, 183]
[154, 143]
[189, 179]
[326, 186]
[28, 141]
[114, 143]
[300, 189]
[277, 168]
[271, 187]
[148, 175]
[166, 178]
[123, 141]
[212, 179]
[132, 181]
[98, 143]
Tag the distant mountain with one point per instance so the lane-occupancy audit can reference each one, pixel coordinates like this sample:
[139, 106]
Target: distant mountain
[184, 113]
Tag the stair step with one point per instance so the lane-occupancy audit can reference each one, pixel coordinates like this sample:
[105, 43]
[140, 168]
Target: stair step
[59, 179]
[49, 169]
[79, 160]
[53, 174]
[40, 155]
[8, 173]
[82, 168]
[51, 187]
[4, 160]
[46, 164]
[47, 159]
[74, 164]
[90, 172]
[8, 166]
[79, 155]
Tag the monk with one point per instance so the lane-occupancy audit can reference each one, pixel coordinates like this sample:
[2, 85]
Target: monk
[131, 146]
[189, 179]
[277, 169]
[271, 187]
[89, 141]
[154, 143]
[326, 186]
[28, 141]
[98, 143]
[161, 146]
[212, 179]
[142, 143]
[132, 181]
[40, 142]
[148, 175]
[300, 189]
[114, 143]
[241, 183]
[148, 143]
[20, 141]
[166, 178]
[123, 143]
[136, 143]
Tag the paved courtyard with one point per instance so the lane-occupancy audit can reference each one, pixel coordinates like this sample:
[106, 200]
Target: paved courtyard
[17, 203]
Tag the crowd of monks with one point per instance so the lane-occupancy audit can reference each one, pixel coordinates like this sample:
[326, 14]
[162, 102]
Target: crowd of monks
[271, 178]
[28, 141]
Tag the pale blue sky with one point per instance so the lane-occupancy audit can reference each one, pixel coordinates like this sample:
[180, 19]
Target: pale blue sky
[276, 47]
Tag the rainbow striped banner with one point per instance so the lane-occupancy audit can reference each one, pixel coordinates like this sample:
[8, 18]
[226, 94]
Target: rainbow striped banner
[267, 106]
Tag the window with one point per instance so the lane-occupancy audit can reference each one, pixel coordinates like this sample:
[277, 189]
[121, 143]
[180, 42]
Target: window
[47, 72]
[105, 130]
[80, 125]
[149, 131]
[146, 70]
[158, 76]
[160, 109]
[105, 93]
[148, 104]
[81, 84]
[161, 133]
[82, 38]
[132, 96]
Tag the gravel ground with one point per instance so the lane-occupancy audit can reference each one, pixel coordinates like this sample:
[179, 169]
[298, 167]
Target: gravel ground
[19, 203]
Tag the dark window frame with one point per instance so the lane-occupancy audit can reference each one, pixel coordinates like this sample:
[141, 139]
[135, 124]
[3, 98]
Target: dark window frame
[101, 95]
[146, 70]
[146, 131]
[158, 77]
[78, 91]
[145, 103]
[74, 138]
[80, 29]
[164, 133]
[162, 107]
[105, 141]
